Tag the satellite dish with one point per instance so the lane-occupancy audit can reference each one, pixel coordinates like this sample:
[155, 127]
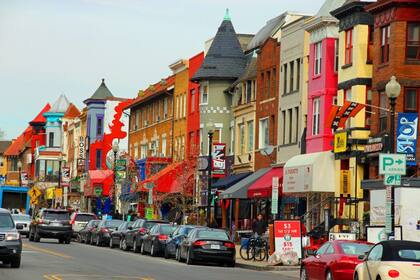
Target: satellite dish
[268, 150]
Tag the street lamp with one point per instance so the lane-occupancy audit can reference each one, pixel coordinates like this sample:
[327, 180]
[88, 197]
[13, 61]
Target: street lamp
[19, 165]
[60, 159]
[209, 169]
[392, 89]
[115, 149]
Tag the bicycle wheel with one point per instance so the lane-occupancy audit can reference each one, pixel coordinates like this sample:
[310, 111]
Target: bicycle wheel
[260, 253]
[246, 252]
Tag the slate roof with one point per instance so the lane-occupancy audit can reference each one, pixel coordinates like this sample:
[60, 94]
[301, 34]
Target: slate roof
[349, 7]
[4, 145]
[102, 93]
[249, 72]
[225, 59]
[327, 7]
[61, 105]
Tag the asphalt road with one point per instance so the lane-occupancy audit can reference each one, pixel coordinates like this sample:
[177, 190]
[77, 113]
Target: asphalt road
[52, 261]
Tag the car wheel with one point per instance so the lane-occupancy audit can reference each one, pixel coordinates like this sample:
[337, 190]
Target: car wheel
[231, 264]
[189, 260]
[124, 245]
[15, 263]
[61, 240]
[166, 253]
[329, 276]
[68, 240]
[303, 273]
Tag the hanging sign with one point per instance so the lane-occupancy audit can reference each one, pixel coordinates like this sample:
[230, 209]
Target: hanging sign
[407, 136]
[288, 238]
[219, 161]
[340, 142]
[275, 196]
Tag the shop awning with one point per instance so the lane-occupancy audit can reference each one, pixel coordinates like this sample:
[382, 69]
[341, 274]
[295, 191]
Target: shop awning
[229, 181]
[99, 178]
[240, 189]
[261, 188]
[310, 173]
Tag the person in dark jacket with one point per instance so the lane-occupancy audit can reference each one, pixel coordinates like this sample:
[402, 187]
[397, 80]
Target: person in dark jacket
[259, 227]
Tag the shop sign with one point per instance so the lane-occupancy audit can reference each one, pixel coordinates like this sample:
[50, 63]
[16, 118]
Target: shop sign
[340, 142]
[288, 238]
[341, 236]
[24, 178]
[297, 179]
[388, 207]
[219, 161]
[275, 196]
[121, 165]
[65, 178]
[374, 145]
[392, 164]
[81, 149]
[407, 136]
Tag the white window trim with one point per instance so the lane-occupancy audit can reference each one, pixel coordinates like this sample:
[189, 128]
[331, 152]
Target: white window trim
[316, 114]
[260, 146]
[201, 91]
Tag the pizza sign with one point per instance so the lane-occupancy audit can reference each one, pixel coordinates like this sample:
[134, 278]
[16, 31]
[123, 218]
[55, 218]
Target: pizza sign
[288, 238]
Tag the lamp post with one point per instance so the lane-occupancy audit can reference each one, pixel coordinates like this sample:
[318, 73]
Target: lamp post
[392, 89]
[19, 165]
[60, 159]
[115, 149]
[209, 169]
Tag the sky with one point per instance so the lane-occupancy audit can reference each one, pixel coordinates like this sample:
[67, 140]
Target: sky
[53, 47]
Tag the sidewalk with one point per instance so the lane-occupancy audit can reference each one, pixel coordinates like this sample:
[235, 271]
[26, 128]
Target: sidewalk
[261, 265]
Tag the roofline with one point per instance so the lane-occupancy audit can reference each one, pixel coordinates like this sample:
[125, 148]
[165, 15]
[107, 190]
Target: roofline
[148, 98]
[377, 7]
[318, 22]
[342, 11]
[198, 79]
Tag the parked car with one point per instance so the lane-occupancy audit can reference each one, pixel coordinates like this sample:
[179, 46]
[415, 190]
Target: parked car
[79, 220]
[175, 239]
[118, 235]
[135, 233]
[10, 240]
[51, 223]
[102, 233]
[154, 241]
[334, 260]
[207, 244]
[84, 235]
[24, 220]
[393, 259]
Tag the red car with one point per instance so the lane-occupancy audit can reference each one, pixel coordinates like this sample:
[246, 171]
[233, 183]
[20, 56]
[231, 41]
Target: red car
[334, 260]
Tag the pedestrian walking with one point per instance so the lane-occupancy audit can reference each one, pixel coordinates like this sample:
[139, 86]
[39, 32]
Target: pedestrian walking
[259, 227]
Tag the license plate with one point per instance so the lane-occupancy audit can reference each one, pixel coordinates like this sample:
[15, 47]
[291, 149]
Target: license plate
[215, 247]
[55, 224]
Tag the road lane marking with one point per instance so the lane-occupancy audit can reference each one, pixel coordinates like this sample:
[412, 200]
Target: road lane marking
[46, 251]
[62, 276]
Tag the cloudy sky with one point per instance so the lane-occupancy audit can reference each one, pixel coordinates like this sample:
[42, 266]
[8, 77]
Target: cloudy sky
[49, 47]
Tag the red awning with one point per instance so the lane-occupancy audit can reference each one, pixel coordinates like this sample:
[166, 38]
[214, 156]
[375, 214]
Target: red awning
[104, 178]
[262, 187]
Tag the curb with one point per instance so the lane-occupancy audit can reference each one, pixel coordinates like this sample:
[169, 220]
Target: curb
[267, 267]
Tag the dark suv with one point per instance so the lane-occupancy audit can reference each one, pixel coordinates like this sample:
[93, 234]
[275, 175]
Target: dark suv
[10, 240]
[51, 223]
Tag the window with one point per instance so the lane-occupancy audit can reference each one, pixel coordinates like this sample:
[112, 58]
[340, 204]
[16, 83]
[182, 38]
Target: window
[250, 128]
[323, 249]
[348, 56]
[268, 83]
[292, 73]
[192, 105]
[248, 91]
[204, 94]
[143, 151]
[336, 61]
[143, 117]
[136, 151]
[290, 120]
[318, 58]
[136, 119]
[370, 44]
[330, 250]
[262, 85]
[263, 134]
[283, 121]
[165, 108]
[98, 159]
[253, 89]
[201, 141]
[383, 102]
[99, 126]
[376, 253]
[241, 138]
[217, 134]
[285, 78]
[413, 41]
[51, 139]
[163, 150]
[298, 74]
[368, 114]
[316, 116]
[232, 140]
[184, 96]
[385, 34]
[297, 124]
[410, 100]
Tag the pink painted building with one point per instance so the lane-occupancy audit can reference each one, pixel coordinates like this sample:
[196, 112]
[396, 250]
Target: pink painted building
[322, 78]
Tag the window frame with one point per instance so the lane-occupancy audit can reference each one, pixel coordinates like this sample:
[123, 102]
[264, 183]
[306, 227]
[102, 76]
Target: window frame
[204, 91]
[317, 69]
[348, 50]
[316, 115]
[262, 136]
[336, 55]
[415, 44]
[411, 110]
[384, 43]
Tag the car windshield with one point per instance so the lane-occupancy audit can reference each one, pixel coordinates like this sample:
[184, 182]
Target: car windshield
[113, 223]
[185, 230]
[149, 224]
[93, 223]
[350, 248]
[56, 215]
[409, 255]
[6, 221]
[84, 217]
[213, 234]
[167, 229]
[21, 218]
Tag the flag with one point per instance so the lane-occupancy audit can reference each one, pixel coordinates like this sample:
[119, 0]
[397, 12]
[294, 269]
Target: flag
[332, 120]
[339, 115]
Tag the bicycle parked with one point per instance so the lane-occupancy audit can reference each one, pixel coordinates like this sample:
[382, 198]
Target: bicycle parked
[255, 248]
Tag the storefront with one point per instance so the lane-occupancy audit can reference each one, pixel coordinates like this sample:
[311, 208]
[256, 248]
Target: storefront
[312, 177]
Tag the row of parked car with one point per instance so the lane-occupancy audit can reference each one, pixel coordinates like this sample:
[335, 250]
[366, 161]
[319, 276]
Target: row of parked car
[160, 238]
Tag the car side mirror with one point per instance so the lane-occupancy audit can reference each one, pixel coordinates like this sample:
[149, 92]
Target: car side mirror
[362, 257]
[19, 226]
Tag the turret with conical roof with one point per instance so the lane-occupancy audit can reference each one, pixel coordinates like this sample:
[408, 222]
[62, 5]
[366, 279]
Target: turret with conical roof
[102, 93]
[225, 59]
[61, 105]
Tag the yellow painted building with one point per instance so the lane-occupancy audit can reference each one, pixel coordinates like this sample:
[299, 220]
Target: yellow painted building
[3, 160]
[181, 73]
[354, 84]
